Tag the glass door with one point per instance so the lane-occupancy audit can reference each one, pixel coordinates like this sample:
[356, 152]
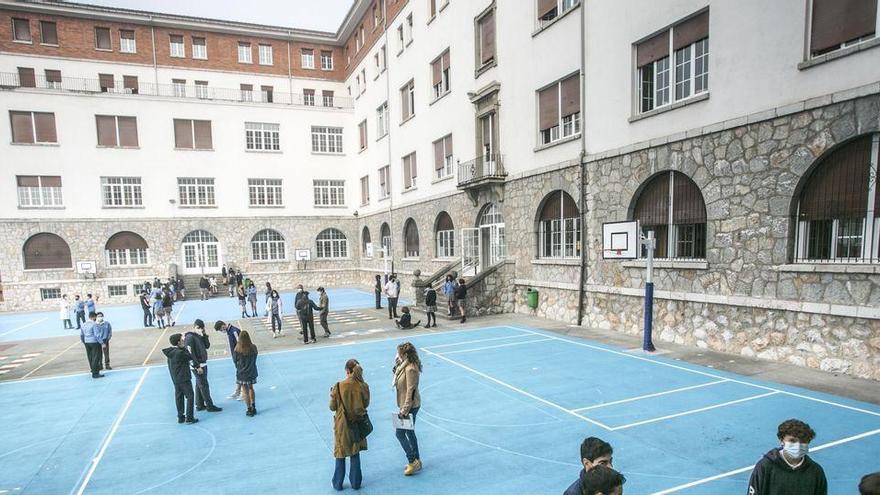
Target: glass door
[470, 252]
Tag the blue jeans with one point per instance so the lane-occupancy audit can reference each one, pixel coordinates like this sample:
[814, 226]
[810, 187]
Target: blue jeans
[354, 475]
[408, 440]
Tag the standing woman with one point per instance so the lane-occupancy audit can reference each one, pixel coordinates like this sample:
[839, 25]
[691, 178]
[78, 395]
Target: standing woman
[242, 300]
[349, 399]
[252, 298]
[168, 306]
[275, 311]
[449, 292]
[245, 358]
[406, 380]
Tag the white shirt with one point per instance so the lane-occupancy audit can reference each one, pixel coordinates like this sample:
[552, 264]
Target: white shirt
[391, 288]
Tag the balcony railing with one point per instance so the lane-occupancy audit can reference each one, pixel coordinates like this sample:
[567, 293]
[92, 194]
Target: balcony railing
[9, 80]
[489, 166]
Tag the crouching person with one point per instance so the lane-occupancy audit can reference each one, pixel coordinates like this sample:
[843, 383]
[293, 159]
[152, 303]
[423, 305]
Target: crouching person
[179, 360]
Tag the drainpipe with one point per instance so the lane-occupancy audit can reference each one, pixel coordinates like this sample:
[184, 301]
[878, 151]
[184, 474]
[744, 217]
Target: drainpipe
[388, 123]
[155, 67]
[289, 71]
[583, 173]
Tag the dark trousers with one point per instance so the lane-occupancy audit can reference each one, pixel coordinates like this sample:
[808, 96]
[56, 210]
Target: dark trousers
[93, 354]
[378, 298]
[354, 474]
[392, 307]
[203, 390]
[184, 391]
[80, 319]
[67, 324]
[308, 326]
[276, 317]
[106, 351]
[324, 325]
[148, 317]
[408, 441]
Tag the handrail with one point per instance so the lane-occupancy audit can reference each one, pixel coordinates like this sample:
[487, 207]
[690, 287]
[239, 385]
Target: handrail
[490, 165]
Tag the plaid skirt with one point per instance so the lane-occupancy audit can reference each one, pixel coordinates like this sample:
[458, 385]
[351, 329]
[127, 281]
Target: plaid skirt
[431, 309]
[246, 382]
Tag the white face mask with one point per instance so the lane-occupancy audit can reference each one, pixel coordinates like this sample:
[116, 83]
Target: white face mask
[100, 319]
[795, 450]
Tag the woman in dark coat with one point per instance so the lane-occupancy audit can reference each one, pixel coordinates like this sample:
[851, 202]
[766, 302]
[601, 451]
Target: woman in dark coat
[245, 358]
[349, 399]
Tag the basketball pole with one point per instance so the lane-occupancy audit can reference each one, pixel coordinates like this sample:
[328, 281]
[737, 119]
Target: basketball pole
[650, 244]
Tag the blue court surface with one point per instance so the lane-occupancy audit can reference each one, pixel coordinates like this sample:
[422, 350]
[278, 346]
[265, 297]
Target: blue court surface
[504, 411]
[24, 326]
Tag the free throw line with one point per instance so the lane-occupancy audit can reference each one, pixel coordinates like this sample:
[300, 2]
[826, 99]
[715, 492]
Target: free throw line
[648, 396]
[692, 411]
[53, 358]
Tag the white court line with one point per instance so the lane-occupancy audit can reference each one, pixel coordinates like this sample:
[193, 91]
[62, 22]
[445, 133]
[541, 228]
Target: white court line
[749, 468]
[24, 326]
[703, 373]
[109, 438]
[53, 358]
[478, 340]
[462, 351]
[658, 394]
[693, 411]
[523, 392]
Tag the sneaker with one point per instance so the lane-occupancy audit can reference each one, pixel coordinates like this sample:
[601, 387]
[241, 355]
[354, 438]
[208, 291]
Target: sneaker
[233, 396]
[249, 412]
[327, 334]
[416, 466]
[98, 375]
[191, 421]
[238, 397]
[274, 335]
[314, 341]
[180, 419]
[214, 409]
[200, 408]
[107, 366]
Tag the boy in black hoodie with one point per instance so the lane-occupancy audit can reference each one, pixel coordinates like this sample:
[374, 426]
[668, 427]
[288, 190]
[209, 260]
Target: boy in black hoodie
[178, 365]
[788, 470]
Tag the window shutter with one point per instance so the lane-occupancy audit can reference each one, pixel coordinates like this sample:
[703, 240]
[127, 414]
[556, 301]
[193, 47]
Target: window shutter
[436, 76]
[838, 187]
[183, 133]
[545, 6]
[553, 207]
[45, 124]
[22, 127]
[128, 135]
[690, 31]
[106, 125]
[444, 59]
[404, 103]
[106, 80]
[102, 38]
[652, 207]
[438, 154]
[327, 94]
[444, 222]
[51, 180]
[130, 82]
[448, 141]
[412, 165]
[26, 77]
[487, 37]
[687, 201]
[382, 177]
[653, 49]
[28, 181]
[125, 240]
[571, 95]
[203, 139]
[48, 33]
[411, 237]
[548, 107]
[53, 76]
[247, 87]
[838, 21]
[46, 251]
[407, 172]
[362, 134]
[569, 207]
[22, 29]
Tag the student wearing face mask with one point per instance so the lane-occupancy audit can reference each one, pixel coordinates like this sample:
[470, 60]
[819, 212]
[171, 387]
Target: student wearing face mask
[788, 469]
[104, 331]
[594, 452]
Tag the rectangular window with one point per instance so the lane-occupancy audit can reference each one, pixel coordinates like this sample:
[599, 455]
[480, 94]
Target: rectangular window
[326, 60]
[443, 157]
[265, 53]
[196, 191]
[32, 127]
[50, 293]
[382, 120]
[102, 38]
[326, 139]
[362, 134]
[364, 79]
[549, 10]
[327, 97]
[116, 132]
[409, 171]
[365, 190]
[127, 42]
[244, 53]
[309, 97]
[445, 243]
[53, 79]
[21, 30]
[201, 88]
[440, 75]
[485, 39]
[121, 192]
[193, 134]
[177, 48]
[329, 192]
[106, 82]
[384, 182]
[39, 191]
[559, 110]
[409, 29]
[267, 94]
[178, 88]
[48, 33]
[26, 77]
[199, 48]
[247, 92]
[117, 290]
[400, 39]
[383, 59]
[837, 24]
[264, 192]
[307, 58]
[432, 7]
[407, 100]
[261, 136]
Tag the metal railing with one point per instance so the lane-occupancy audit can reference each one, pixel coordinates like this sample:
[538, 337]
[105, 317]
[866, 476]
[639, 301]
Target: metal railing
[488, 166]
[11, 80]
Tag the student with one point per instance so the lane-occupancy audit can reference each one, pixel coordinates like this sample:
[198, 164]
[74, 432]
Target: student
[406, 380]
[324, 303]
[168, 306]
[79, 306]
[405, 321]
[181, 287]
[92, 342]
[392, 290]
[460, 298]
[144, 298]
[602, 480]
[870, 484]
[204, 285]
[378, 290]
[198, 343]
[787, 468]
[224, 273]
[242, 301]
[104, 331]
[275, 312]
[232, 332]
[178, 366]
[64, 312]
[245, 358]
[230, 282]
[594, 452]
[449, 291]
[431, 305]
[268, 294]
[304, 307]
[349, 399]
[212, 285]
[252, 298]
[91, 303]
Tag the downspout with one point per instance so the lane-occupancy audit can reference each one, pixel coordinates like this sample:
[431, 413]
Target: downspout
[289, 72]
[388, 124]
[583, 172]
[155, 67]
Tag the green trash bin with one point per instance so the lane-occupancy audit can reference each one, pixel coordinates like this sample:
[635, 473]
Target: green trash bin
[532, 297]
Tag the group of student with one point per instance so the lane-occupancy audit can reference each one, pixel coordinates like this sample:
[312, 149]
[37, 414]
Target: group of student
[157, 302]
[76, 310]
[455, 291]
[784, 470]
[95, 334]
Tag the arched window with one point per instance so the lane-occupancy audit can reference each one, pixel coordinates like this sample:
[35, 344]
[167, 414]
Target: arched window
[385, 232]
[492, 223]
[445, 234]
[199, 236]
[43, 251]
[559, 227]
[833, 212]
[126, 248]
[268, 245]
[681, 230]
[411, 238]
[365, 240]
[332, 244]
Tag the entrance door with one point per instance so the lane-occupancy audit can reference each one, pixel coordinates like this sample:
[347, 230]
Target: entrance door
[470, 252]
[494, 249]
[201, 253]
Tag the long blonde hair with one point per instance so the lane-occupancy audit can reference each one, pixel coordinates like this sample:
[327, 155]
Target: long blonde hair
[354, 367]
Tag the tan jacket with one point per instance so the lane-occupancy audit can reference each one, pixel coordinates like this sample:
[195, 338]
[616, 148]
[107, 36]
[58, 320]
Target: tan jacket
[406, 381]
[356, 396]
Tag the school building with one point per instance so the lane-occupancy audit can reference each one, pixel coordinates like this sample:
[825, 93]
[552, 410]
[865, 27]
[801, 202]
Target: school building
[490, 138]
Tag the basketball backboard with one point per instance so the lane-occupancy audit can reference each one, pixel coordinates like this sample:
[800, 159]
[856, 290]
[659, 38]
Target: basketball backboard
[620, 240]
[303, 254]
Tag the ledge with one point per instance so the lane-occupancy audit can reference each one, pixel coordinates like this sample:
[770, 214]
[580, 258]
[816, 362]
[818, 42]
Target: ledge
[325, 153]
[330, 207]
[479, 71]
[404, 121]
[271, 152]
[409, 189]
[669, 264]
[410, 259]
[557, 261]
[843, 52]
[55, 144]
[443, 179]
[672, 106]
[543, 28]
[545, 284]
[542, 147]
[871, 269]
[444, 95]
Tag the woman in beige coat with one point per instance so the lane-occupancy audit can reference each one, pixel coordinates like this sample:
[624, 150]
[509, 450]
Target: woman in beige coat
[350, 398]
[406, 380]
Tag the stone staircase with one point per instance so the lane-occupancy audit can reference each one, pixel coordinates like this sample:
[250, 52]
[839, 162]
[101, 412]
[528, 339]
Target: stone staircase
[489, 292]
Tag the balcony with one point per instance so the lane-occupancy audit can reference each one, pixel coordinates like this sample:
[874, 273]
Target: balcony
[75, 85]
[483, 172]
